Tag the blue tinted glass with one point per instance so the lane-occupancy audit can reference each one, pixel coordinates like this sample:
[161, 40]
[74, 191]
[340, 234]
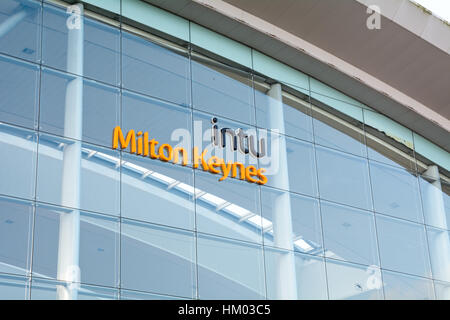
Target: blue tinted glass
[55, 37]
[383, 152]
[282, 209]
[19, 83]
[222, 90]
[157, 192]
[399, 286]
[99, 175]
[20, 33]
[154, 70]
[100, 51]
[343, 178]
[435, 201]
[229, 269]
[44, 289]
[389, 148]
[289, 163]
[293, 113]
[439, 245]
[229, 208]
[349, 234]
[157, 259]
[442, 290]
[13, 287]
[18, 161]
[395, 192]
[309, 274]
[99, 109]
[202, 139]
[136, 295]
[15, 235]
[332, 132]
[166, 123]
[403, 246]
[98, 245]
[348, 281]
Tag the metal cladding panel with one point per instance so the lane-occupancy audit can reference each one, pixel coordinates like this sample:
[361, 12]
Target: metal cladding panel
[156, 18]
[221, 45]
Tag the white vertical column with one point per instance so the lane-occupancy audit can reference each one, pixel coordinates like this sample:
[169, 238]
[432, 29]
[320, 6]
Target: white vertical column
[439, 243]
[12, 21]
[69, 230]
[286, 282]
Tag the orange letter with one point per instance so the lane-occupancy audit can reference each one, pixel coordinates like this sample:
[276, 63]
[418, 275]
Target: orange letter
[162, 155]
[226, 168]
[241, 169]
[139, 143]
[118, 135]
[176, 152]
[153, 143]
[250, 172]
[261, 176]
[145, 143]
[214, 162]
[200, 157]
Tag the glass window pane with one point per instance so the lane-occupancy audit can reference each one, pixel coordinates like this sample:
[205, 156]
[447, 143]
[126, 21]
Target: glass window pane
[229, 269]
[166, 123]
[157, 259]
[100, 108]
[296, 113]
[435, 201]
[349, 234]
[228, 208]
[303, 216]
[157, 192]
[13, 287]
[222, 90]
[98, 246]
[439, 244]
[343, 178]
[44, 289]
[100, 175]
[309, 275]
[300, 175]
[101, 46]
[16, 221]
[101, 52]
[23, 39]
[202, 139]
[403, 246]
[19, 83]
[387, 148]
[442, 290]
[353, 281]
[155, 70]
[334, 132]
[334, 101]
[136, 295]
[398, 286]
[395, 192]
[18, 161]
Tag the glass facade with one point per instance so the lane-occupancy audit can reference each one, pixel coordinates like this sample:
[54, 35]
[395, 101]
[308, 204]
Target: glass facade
[348, 212]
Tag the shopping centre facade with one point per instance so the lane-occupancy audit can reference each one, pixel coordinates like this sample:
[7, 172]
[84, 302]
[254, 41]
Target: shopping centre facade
[197, 150]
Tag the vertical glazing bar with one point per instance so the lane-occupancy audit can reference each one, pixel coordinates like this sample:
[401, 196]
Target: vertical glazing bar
[439, 242]
[286, 283]
[69, 230]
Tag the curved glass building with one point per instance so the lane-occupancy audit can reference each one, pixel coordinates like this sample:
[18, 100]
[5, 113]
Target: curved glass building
[279, 168]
